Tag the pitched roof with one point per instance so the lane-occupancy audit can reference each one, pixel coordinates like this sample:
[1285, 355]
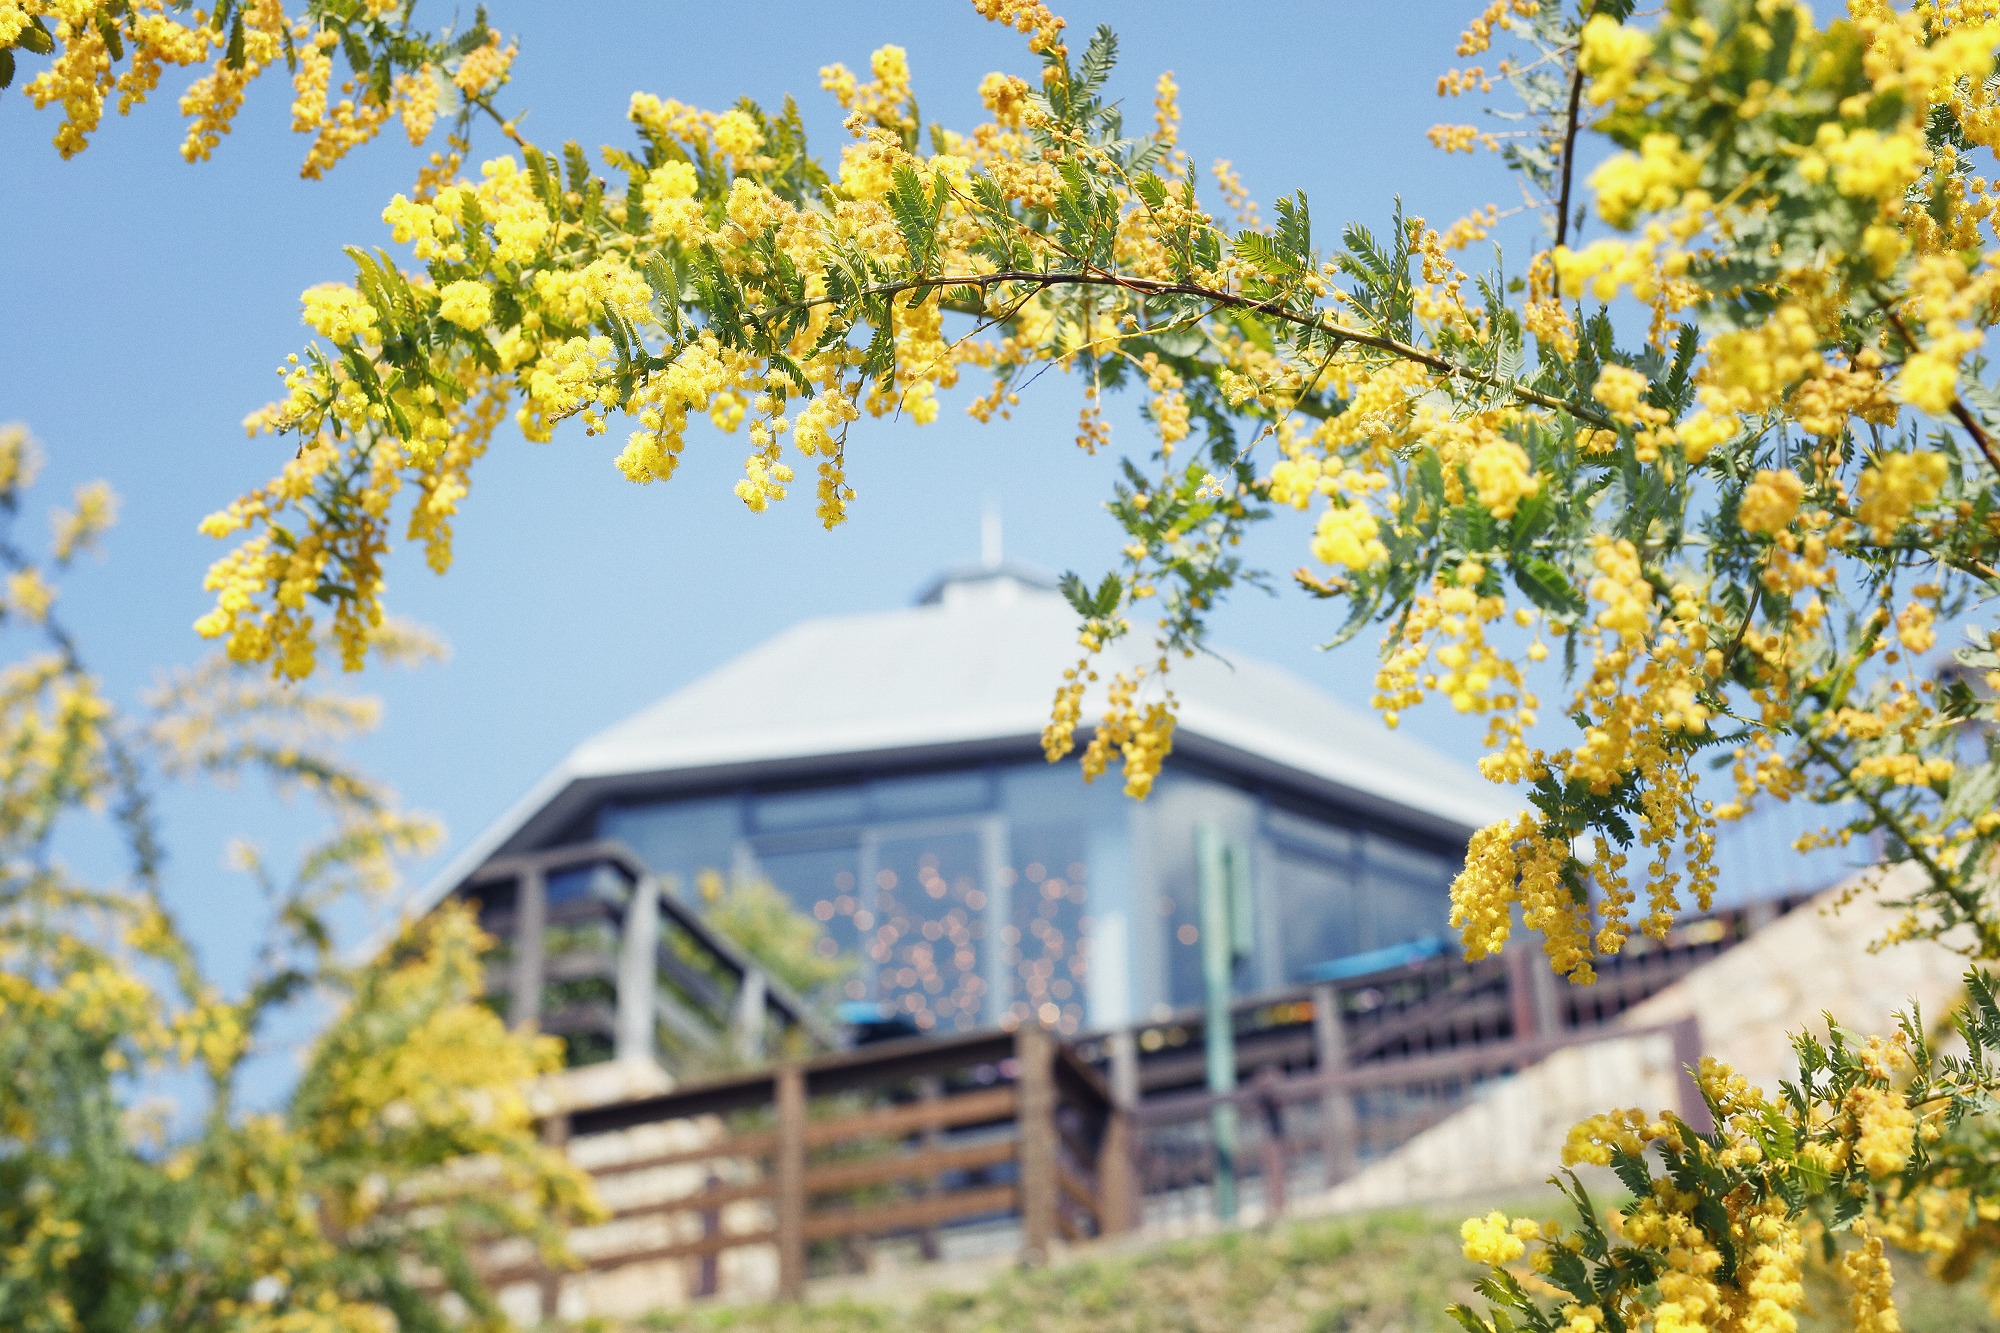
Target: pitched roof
[972, 667]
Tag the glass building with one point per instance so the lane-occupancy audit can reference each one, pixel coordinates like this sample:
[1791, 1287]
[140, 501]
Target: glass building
[885, 772]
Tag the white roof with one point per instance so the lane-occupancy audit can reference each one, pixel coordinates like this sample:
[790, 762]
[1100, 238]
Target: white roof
[975, 665]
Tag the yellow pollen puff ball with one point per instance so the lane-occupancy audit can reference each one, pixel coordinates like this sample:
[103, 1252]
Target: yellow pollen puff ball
[737, 134]
[336, 311]
[1502, 476]
[1649, 181]
[671, 180]
[1612, 53]
[1347, 536]
[1897, 486]
[1928, 383]
[466, 303]
[1492, 1240]
[1770, 502]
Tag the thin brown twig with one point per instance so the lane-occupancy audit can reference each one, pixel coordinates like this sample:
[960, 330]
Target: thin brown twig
[1571, 126]
[1976, 431]
[1959, 411]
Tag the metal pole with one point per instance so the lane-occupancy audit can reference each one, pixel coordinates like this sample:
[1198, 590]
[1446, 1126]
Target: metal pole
[1218, 1025]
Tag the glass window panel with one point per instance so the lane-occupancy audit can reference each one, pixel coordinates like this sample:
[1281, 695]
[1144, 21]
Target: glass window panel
[1408, 894]
[1178, 912]
[1044, 941]
[930, 794]
[1319, 911]
[811, 808]
[1309, 834]
[677, 838]
[824, 882]
[1178, 807]
[926, 936]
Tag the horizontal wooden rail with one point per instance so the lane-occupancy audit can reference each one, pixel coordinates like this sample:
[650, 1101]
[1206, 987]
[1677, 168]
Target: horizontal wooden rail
[907, 1166]
[966, 1108]
[1466, 1062]
[700, 1202]
[906, 1214]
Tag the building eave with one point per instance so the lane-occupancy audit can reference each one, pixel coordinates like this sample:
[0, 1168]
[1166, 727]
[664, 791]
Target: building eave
[1248, 753]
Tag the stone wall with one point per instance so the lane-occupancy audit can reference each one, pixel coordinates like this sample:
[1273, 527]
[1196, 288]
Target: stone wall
[1807, 964]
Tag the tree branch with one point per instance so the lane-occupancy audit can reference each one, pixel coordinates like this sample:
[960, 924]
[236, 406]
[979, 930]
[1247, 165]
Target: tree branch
[1570, 127]
[1964, 898]
[1959, 411]
[1230, 300]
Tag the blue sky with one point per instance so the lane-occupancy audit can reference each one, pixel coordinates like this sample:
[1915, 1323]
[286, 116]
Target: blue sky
[146, 303]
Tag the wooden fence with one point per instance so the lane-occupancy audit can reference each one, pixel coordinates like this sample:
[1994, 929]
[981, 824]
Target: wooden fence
[1331, 1122]
[896, 1139]
[1028, 1140]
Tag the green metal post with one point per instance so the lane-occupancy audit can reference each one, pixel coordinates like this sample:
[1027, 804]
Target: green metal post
[1218, 956]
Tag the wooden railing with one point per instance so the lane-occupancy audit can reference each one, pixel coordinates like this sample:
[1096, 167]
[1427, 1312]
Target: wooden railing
[1340, 1118]
[1343, 1072]
[1020, 1137]
[898, 1139]
[1438, 1004]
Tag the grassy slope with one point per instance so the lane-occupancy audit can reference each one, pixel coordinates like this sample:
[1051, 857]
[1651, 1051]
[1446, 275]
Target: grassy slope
[1370, 1274]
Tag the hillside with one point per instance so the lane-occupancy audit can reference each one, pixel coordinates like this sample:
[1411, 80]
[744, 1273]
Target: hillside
[1391, 1272]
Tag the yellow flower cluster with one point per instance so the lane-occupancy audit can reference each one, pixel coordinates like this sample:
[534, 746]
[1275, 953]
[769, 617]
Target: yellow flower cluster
[1649, 181]
[466, 303]
[1895, 487]
[1771, 501]
[93, 38]
[1871, 1284]
[1611, 52]
[1141, 733]
[1885, 1129]
[885, 102]
[1031, 17]
[1493, 1239]
[1694, 1292]
[1501, 476]
[336, 311]
[1518, 862]
[1348, 535]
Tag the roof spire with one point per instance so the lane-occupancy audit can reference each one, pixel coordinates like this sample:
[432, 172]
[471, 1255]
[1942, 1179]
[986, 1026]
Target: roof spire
[989, 537]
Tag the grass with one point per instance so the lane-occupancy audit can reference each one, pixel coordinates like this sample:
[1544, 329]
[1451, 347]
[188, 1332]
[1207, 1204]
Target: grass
[1377, 1273]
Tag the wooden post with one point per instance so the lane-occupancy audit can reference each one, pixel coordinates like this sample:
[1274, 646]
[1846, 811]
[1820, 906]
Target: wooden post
[789, 1168]
[929, 1089]
[708, 1269]
[1117, 1181]
[1117, 1171]
[555, 1134]
[1272, 1157]
[1035, 1123]
[531, 919]
[1336, 1109]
